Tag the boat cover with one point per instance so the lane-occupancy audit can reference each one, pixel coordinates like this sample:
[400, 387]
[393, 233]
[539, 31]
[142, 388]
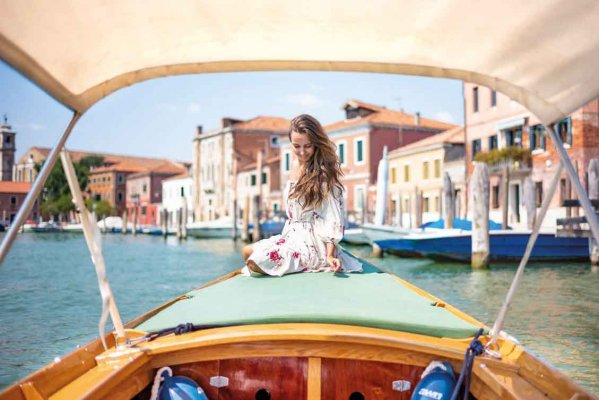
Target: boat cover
[541, 53]
[372, 299]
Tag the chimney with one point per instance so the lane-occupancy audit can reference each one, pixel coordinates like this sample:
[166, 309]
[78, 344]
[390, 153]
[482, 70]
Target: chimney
[228, 122]
[417, 119]
[199, 130]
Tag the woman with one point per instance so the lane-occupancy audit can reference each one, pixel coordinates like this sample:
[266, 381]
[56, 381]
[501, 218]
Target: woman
[314, 203]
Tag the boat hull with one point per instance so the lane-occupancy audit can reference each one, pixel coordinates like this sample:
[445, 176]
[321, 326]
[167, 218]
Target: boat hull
[503, 247]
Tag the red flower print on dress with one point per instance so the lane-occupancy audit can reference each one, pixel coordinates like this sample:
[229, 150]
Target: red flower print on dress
[280, 242]
[274, 256]
[296, 254]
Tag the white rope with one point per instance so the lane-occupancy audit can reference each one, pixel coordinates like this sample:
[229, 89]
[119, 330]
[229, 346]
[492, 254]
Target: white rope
[498, 326]
[157, 380]
[93, 239]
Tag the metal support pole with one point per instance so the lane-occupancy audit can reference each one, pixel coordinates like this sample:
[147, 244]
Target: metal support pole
[93, 240]
[498, 325]
[589, 211]
[36, 189]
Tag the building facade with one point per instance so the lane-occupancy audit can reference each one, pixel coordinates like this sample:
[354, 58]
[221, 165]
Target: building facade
[219, 154]
[251, 183]
[416, 174]
[7, 151]
[495, 122]
[12, 196]
[360, 139]
[176, 195]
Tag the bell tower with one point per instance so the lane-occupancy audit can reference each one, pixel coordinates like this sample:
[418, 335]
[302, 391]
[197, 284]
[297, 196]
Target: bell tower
[7, 150]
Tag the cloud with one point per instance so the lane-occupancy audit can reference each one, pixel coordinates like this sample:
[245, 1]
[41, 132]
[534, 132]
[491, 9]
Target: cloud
[193, 108]
[444, 116]
[35, 126]
[305, 100]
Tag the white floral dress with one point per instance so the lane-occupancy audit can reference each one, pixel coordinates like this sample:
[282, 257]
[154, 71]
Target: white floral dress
[301, 247]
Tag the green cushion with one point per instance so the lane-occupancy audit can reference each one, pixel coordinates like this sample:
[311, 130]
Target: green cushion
[372, 299]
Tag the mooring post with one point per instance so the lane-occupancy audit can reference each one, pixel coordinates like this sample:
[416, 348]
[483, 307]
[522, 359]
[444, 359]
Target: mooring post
[530, 202]
[134, 230]
[184, 218]
[480, 216]
[164, 221]
[505, 191]
[448, 206]
[245, 231]
[125, 218]
[377, 252]
[594, 195]
[417, 207]
[256, 234]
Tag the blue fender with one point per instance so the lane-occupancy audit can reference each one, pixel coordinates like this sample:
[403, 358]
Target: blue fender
[437, 383]
[180, 388]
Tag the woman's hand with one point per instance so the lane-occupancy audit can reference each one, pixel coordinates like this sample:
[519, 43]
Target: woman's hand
[334, 263]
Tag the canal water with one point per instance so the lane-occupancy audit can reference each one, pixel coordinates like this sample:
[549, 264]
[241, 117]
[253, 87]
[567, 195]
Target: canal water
[50, 302]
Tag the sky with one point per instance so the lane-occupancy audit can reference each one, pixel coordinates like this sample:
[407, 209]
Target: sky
[158, 118]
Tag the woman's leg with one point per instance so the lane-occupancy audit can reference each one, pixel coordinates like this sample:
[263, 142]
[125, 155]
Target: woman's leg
[247, 251]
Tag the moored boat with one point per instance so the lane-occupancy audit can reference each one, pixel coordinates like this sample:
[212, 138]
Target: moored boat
[505, 245]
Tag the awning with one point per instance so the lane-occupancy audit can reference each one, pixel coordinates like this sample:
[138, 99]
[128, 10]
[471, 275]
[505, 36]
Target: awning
[541, 53]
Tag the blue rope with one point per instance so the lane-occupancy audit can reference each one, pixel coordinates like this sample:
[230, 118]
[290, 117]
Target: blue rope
[474, 349]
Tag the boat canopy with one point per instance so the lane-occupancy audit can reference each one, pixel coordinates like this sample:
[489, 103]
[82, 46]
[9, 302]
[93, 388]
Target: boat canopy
[542, 53]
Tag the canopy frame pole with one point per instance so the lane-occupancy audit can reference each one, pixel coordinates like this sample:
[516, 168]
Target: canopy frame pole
[36, 189]
[583, 198]
[498, 325]
[93, 240]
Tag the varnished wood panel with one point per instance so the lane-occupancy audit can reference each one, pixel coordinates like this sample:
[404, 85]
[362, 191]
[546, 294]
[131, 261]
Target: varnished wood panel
[200, 372]
[283, 377]
[342, 377]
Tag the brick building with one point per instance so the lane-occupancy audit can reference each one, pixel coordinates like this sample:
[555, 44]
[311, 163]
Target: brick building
[213, 162]
[12, 196]
[494, 121]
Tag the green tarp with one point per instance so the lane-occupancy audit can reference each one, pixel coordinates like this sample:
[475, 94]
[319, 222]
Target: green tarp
[372, 299]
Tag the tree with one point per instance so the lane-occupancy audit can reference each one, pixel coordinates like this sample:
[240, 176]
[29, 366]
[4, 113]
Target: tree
[102, 207]
[56, 196]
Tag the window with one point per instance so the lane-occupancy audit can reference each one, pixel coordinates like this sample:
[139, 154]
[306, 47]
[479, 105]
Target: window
[493, 98]
[7, 139]
[275, 207]
[143, 210]
[475, 99]
[437, 168]
[539, 193]
[406, 173]
[562, 190]
[538, 140]
[393, 175]
[341, 150]
[120, 178]
[513, 137]
[493, 142]
[436, 203]
[274, 141]
[476, 147]
[253, 179]
[426, 204]
[359, 151]
[263, 178]
[145, 188]
[287, 162]
[182, 191]
[13, 200]
[564, 130]
[425, 170]
[359, 199]
[495, 196]
[119, 197]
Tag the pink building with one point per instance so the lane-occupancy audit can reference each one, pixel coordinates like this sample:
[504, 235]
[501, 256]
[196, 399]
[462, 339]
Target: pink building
[494, 121]
[360, 139]
[144, 192]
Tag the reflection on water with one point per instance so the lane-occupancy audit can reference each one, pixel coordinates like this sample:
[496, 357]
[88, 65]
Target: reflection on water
[49, 299]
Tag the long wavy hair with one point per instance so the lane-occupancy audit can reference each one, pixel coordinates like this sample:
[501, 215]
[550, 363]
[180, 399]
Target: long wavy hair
[322, 173]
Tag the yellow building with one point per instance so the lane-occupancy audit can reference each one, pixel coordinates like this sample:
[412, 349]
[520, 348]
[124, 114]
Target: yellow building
[416, 178]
